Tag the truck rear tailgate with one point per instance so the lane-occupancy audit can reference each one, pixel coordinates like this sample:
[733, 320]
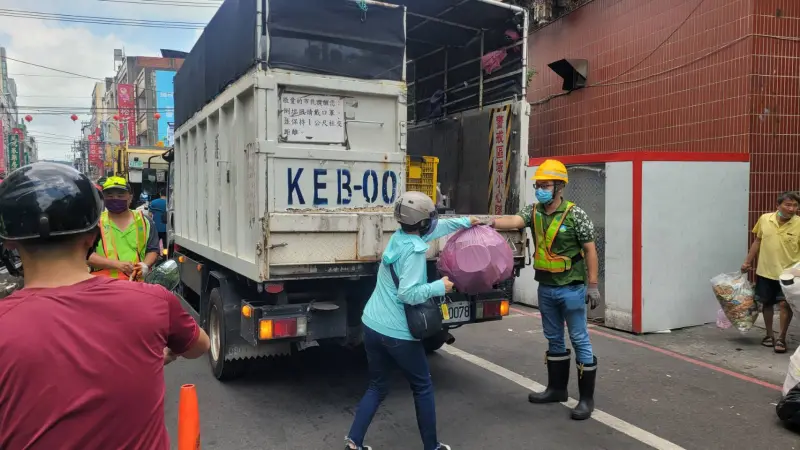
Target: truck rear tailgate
[304, 243]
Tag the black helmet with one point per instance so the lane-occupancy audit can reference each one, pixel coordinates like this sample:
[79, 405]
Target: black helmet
[46, 199]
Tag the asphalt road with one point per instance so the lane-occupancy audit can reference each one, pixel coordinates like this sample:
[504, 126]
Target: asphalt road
[646, 399]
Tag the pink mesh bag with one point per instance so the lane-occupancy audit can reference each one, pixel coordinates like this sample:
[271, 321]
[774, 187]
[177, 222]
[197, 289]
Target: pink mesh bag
[475, 259]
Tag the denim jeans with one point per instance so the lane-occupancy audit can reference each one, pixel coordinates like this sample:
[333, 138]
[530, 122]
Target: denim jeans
[565, 303]
[384, 354]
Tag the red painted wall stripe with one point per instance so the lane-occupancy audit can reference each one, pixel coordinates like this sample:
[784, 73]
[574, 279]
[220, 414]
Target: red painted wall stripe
[636, 250]
[645, 156]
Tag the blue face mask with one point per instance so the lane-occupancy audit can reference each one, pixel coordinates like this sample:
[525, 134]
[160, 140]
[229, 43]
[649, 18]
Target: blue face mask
[544, 196]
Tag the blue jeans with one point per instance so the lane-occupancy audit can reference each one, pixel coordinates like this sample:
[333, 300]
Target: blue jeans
[560, 303]
[384, 354]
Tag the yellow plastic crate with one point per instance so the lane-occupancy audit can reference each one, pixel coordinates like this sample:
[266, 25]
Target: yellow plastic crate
[421, 174]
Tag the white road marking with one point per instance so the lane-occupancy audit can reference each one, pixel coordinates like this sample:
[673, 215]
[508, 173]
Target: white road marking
[618, 424]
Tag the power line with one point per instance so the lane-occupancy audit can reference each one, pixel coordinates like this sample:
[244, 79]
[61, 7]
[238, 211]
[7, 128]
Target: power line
[77, 75]
[51, 134]
[165, 3]
[86, 108]
[51, 68]
[51, 96]
[13, 75]
[99, 20]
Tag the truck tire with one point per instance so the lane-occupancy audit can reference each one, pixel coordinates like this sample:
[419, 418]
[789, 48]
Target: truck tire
[223, 370]
[435, 342]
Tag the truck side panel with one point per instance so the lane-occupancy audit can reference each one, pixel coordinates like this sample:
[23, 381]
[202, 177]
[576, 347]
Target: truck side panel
[218, 203]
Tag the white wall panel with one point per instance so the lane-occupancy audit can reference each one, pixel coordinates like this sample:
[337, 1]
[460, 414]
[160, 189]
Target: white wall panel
[694, 226]
[618, 250]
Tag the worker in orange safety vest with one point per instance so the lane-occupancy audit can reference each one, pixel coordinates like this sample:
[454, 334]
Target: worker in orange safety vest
[128, 244]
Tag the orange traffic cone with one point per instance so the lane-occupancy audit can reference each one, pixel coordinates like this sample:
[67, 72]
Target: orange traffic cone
[188, 419]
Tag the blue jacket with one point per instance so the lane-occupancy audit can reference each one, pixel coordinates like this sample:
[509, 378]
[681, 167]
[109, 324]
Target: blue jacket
[159, 207]
[384, 311]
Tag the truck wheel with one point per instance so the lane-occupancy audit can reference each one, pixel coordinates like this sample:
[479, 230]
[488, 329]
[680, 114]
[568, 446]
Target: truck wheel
[223, 369]
[435, 342]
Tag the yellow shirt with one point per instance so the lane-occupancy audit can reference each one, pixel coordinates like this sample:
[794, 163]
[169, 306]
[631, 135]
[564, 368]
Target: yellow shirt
[780, 245]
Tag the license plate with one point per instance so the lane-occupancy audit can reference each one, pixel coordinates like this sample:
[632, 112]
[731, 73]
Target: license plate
[459, 312]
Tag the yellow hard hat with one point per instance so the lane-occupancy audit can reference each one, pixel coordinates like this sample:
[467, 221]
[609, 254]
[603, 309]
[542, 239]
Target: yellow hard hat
[115, 183]
[551, 170]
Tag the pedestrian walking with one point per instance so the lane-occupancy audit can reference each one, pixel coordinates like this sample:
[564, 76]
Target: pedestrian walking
[776, 247]
[158, 209]
[387, 338]
[566, 269]
[128, 244]
[82, 356]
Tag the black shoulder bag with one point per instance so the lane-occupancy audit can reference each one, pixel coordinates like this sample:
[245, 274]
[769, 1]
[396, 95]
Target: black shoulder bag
[424, 319]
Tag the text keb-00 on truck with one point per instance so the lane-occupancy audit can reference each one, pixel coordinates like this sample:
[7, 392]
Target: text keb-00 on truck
[298, 125]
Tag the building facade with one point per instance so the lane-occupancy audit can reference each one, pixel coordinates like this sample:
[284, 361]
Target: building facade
[9, 115]
[680, 76]
[150, 79]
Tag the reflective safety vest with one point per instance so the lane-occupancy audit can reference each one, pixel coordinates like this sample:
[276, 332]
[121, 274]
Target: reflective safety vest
[545, 259]
[117, 244]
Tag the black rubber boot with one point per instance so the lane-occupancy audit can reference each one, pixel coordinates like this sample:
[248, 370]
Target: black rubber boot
[587, 374]
[557, 379]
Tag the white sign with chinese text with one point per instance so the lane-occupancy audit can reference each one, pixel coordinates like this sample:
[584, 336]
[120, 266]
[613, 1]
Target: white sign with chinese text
[312, 118]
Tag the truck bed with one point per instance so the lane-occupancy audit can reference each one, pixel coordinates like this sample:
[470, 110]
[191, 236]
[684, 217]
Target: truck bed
[271, 204]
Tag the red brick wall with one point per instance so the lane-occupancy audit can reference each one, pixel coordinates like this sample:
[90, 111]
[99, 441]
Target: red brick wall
[775, 104]
[668, 77]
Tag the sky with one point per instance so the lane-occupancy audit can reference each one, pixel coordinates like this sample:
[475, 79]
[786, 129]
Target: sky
[84, 49]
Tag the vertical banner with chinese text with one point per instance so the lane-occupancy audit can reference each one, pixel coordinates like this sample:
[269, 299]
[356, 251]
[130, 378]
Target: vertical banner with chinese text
[95, 156]
[127, 113]
[14, 146]
[21, 145]
[3, 166]
[499, 159]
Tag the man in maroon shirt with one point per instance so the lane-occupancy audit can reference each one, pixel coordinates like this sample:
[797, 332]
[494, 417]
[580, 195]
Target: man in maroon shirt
[81, 357]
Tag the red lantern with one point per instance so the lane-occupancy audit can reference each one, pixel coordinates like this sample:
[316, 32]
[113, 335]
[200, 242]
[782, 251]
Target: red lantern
[28, 118]
[73, 117]
[157, 116]
[116, 117]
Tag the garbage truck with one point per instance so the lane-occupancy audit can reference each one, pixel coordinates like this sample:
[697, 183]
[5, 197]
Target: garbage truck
[298, 125]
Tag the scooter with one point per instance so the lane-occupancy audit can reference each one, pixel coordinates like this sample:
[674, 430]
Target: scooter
[10, 272]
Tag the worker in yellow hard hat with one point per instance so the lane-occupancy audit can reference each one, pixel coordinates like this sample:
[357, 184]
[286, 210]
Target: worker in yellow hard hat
[128, 244]
[566, 268]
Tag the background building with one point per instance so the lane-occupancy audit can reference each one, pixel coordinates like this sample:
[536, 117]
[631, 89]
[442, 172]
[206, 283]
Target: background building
[9, 115]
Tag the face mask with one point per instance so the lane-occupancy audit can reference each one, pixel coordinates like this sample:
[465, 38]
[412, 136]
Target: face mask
[544, 196]
[116, 205]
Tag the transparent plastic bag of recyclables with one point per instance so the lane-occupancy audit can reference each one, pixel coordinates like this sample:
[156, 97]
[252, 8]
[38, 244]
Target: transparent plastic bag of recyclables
[475, 259]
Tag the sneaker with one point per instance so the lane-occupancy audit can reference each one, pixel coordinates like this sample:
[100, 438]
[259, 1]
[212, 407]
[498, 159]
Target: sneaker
[350, 445]
[443, 447]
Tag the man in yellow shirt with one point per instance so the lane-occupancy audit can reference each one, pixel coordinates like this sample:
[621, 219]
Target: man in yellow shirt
[777, 247]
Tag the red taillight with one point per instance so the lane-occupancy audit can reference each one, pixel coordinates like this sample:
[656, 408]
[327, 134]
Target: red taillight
[284, 328]
[274, 288]
[491, 309]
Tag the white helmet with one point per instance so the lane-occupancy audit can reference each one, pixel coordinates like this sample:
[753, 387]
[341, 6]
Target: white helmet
[415, 208]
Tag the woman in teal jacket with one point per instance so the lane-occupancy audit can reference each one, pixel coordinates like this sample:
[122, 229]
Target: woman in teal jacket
[387, 339]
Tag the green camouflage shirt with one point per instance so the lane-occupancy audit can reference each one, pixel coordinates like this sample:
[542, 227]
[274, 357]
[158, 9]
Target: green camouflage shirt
[576, 230]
